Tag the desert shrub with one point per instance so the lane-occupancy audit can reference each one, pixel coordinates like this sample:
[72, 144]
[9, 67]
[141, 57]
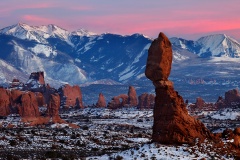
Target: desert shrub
[119, 157]
[85, 127]
[13, 142]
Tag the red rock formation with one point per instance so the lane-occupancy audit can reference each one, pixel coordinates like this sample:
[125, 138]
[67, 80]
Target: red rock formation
[53, 105]
[101, 101]
[232, 97]
[53, 108]
[237, 137]
[200, 102]
[29, 106]
[132, 97]
[118, 101]
[71, 96]
[146, 101]
[4, 102]
[220, 103]
[159, 67]
[172, 123]
[40, 99]
[38, 76]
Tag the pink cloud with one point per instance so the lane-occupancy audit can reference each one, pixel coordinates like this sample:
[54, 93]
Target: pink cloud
[38, 20]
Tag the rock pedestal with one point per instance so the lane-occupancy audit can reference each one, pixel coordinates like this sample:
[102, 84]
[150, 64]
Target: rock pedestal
[132, 97]
[172, 123]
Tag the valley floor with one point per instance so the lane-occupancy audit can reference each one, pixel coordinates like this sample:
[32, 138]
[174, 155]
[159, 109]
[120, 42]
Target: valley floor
[103, 134]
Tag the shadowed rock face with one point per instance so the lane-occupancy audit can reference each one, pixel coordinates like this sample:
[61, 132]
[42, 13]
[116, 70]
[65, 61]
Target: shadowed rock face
[4, 102]
[232, 96]
[101, 101]
[29, 105]
[146, 101]
[38, 76]
[172, 123]
[53, 105]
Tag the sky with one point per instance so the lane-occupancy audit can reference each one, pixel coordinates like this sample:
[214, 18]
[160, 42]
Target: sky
[189, 19]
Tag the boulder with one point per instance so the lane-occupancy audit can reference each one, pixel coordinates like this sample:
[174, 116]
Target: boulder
[146, 100]
[101, 101]
[159, 59]
[132, 97]
[71, 96]
[172, 123]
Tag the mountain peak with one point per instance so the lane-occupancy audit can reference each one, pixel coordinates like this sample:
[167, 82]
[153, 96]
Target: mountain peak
[83, 32]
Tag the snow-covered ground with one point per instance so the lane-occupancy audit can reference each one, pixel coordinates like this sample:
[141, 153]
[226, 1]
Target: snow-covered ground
[105, 134]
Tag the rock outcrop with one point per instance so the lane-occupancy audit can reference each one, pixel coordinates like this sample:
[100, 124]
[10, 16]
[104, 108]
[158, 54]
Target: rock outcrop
[53, 105]
[124, 100]
[118, 101]
[4, 102]
[101, 101]
[53, 109]
[71, 96]
[146, 101]
[132, 97]
[172, 123]
[232, 97]
[29, 106]
[200, 102]
[38, 77]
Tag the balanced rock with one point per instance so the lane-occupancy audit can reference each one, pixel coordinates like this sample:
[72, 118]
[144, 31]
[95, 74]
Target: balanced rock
[159, 59]
[132, 97]
[4, 102]
[29, 106]
[146, 101]
[172, 123]
[101, 101]
[71, 96]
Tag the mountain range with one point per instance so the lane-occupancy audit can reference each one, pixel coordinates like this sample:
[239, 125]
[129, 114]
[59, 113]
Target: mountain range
[84, 58]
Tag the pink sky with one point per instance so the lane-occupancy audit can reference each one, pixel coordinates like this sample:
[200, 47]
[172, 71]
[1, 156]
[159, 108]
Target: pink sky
[188, 19]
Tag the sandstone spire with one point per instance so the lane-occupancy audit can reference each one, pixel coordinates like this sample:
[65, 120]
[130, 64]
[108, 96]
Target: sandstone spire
[172, 123]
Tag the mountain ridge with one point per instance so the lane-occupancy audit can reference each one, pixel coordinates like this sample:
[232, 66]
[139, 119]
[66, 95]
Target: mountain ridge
[82, 56]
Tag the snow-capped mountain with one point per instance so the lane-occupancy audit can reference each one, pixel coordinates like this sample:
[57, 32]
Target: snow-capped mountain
[85, 57]
[218, 45]
[36, 33]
